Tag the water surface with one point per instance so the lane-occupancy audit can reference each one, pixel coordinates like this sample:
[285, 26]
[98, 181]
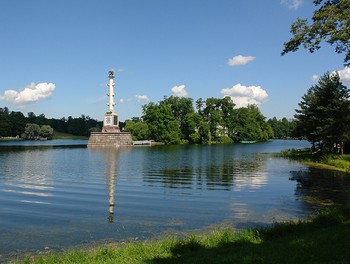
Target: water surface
[62, 194]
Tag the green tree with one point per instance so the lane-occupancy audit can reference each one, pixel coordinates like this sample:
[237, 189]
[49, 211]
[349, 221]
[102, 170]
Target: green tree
[330, 22]
[212, 114]
[251, 125]
[282, 128]
[17, 121]
[324, 114]
[31, 131]
[46, 131]
[31, 118]
[138, 129]
[195, 129]
[161, 122]
[5, 126]
[180, 108]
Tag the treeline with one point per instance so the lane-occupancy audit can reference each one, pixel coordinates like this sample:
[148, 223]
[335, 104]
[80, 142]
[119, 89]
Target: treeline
[13, 124]
[175, 120]
[283, 128]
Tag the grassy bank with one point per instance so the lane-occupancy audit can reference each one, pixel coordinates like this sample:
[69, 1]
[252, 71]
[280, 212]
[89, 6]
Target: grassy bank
[10, 139]
[325, 239]
[321, 160]
[60, 135]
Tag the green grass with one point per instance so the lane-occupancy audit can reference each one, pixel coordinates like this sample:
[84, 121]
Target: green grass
[10, 139]
[60, 135]
[319, 159]
[324, 239]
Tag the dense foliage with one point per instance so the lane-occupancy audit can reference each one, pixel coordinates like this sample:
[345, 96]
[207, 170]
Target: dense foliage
[283, 128]
[34, 131]
[13, 124]
[324, 114]
[331, 22]
[174, 120]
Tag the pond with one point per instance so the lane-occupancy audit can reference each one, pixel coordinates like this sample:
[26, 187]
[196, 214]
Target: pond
[59, 194]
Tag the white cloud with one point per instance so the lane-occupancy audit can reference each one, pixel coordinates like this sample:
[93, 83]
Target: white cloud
[315, 77]
[240, 60]
[123, 100]
[292, 4]
[179, 91]
[32, 93]
[344, 75]
[141, 98]
[242, 95]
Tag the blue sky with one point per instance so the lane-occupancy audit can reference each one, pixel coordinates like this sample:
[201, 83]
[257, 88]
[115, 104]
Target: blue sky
[55, 55]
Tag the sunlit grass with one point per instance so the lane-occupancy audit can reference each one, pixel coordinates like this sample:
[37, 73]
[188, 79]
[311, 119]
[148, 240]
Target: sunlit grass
[321, 160]
[324, 239]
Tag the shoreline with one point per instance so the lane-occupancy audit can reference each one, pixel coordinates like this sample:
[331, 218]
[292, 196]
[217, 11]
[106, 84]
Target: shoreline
[325, 238]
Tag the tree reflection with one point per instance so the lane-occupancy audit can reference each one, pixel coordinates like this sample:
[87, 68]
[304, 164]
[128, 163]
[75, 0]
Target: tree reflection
[233, 174]
[319, 188]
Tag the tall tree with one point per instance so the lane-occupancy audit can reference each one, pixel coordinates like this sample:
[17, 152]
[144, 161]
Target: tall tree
[5, 125]
[161, 122]
[17, 121]
[324, 114]
[180, 107]
[331, 22]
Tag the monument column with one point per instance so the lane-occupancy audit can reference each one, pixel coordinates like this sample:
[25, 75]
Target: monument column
[110, 136]
[110, 121]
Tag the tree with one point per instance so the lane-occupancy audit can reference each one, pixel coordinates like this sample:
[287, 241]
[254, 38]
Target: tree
[324, 114]
[5, 125]
[251, 125]
[161, 122]
[46, 131]
[180, 108]
[17, 121]
[195, 129]
[31, 131]
[283, 128]
[331, 22]
[138, 129]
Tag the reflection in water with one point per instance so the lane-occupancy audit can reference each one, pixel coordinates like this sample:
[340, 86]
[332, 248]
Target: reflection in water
[110, 168]
[318, 188]
[29, 177]
[61, 197]
[209, 172]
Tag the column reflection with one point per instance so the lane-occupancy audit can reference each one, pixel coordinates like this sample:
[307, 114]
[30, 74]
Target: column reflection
[110, 158]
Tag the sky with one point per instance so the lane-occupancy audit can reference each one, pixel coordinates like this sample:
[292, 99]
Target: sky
[55, 55]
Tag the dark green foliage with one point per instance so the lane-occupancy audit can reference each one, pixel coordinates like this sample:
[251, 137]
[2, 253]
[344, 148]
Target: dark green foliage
[17, 123]
[324, 114]
[31, 131]
[34, 131]
[330, 22]
[283, 128]
[4, 122]
[161, 123]
[13, 124]
[138, 129]
[174, 120]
